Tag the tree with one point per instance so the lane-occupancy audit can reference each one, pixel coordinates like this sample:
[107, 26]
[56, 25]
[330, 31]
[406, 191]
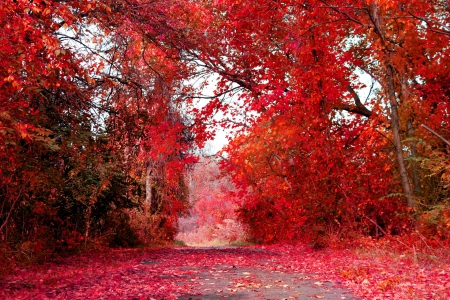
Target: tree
[94, 96]
[301, 60]
[85, 86]
[212, 217]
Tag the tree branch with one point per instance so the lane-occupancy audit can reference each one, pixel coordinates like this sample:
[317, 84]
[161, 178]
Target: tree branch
[444, 32]
[359, 108]
[435, 133]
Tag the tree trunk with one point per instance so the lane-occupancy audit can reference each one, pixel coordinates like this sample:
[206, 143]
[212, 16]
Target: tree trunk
[373, 14]
[88, 223]
[148, 184]
[397, 139]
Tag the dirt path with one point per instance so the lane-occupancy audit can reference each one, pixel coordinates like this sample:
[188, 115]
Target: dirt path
[260, 281]
[174, 273]
[263, 279]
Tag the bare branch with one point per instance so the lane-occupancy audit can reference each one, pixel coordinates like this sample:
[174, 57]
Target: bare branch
[336, 9]
[359, 108]
[435, 133]
[430, 27]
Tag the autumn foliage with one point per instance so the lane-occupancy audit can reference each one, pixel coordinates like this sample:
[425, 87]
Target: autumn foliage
[212, 218]
[89, 109]
[341, 108]
[331, 154]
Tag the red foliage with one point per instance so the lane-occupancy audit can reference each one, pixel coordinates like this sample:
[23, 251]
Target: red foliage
[320, 157]
[212, 217]
[301, 183]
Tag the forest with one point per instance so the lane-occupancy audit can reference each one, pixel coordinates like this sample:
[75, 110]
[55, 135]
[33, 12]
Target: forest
[337, 114]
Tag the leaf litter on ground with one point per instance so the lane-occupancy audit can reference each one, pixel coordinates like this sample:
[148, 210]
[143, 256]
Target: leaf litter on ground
[172, 273]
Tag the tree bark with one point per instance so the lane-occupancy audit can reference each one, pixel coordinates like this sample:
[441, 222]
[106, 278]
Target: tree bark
[373, 14]
[397, 139]
[148, 184]
[436, 134]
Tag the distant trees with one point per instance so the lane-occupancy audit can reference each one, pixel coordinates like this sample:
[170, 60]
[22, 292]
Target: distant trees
[212, 218]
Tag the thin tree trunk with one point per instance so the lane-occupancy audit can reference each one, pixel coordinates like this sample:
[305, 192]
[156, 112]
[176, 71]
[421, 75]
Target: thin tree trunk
[397, 139]
[88, 223]
[148, 184]
[373, 14]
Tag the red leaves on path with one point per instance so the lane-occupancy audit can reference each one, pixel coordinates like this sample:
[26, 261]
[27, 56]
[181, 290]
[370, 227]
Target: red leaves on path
[173, 273]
